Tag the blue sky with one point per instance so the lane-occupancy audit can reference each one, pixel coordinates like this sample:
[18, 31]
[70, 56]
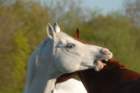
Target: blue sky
[104, 5]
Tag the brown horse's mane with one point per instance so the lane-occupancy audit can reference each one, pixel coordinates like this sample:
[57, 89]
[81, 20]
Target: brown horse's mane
[67, 76]
[109, 79]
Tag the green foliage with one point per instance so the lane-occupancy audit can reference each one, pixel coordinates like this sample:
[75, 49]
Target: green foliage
[20, 56]
[21, 30]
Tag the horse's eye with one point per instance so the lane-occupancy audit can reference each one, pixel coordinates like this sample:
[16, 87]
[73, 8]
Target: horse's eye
[70, 45]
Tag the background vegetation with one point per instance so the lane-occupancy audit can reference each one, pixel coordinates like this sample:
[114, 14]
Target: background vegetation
[23, 25]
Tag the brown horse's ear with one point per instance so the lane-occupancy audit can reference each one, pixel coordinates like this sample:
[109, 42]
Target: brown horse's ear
[77, 34]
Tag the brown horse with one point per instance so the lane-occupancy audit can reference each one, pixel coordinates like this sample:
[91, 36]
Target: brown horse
[114, 78]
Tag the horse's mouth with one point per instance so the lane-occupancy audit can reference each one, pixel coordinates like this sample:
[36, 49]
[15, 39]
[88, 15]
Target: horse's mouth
[100, 64]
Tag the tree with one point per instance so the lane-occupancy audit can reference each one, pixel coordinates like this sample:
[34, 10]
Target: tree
[21, 30]
[132, 10]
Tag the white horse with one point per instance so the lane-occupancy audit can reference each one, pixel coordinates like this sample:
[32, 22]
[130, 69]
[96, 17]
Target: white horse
[60, 54]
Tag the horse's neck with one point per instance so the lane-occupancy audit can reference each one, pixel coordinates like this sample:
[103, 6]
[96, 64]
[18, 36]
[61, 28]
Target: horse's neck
[42, 80]
[97, 82]
[40, 71]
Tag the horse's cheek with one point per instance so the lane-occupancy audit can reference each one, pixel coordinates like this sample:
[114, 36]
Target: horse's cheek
[65, 64]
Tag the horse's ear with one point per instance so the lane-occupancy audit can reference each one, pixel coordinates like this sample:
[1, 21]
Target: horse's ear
[56, 27]
[50, 31]
[77, 34]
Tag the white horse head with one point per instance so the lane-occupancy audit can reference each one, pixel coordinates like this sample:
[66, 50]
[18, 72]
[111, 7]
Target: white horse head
[59, 54]
[70, 55]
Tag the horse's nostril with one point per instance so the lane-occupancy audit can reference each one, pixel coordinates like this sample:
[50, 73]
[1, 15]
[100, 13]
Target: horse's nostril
[105, 51]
